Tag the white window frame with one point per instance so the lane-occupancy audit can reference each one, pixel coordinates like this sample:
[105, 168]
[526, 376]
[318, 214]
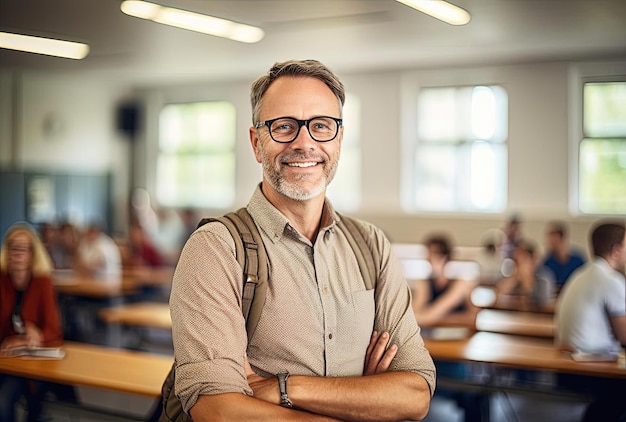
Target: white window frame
[409, 136]
[579, 74]
[223, 202]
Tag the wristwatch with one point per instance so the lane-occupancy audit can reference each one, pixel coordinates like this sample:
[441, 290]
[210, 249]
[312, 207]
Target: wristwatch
[282, 386]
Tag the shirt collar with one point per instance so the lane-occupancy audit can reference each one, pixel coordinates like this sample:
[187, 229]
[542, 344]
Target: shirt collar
[604, 266]
[274, 224]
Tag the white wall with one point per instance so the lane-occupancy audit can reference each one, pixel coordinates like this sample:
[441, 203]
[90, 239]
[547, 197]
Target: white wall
[539, 139]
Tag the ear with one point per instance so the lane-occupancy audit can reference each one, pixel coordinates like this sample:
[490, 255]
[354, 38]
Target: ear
[254, 141]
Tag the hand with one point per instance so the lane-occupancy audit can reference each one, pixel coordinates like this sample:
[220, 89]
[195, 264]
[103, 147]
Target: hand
[13, 342]
[377, 356]
[34, 336]
[263, 388]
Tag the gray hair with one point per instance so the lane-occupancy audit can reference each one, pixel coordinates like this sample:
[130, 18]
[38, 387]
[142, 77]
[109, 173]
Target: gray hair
[294, 68]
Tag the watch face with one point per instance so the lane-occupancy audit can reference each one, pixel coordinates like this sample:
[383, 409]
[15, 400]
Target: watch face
[18, 324]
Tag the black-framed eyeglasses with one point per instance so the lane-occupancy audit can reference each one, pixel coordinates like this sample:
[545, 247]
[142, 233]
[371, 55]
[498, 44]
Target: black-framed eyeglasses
[286, 129]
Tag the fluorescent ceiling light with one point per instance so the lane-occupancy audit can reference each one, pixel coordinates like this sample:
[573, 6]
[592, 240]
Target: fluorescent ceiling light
[441, 10]
[193, 21]
[40, 45]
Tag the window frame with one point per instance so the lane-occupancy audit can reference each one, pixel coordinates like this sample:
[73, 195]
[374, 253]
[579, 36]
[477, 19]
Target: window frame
[579, 75]
[410, 143]
[158, 151]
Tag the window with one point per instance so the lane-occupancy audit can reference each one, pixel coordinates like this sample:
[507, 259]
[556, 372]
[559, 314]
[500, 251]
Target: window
[460, 155]
[196, 161]
[345, 190]
[602, 150]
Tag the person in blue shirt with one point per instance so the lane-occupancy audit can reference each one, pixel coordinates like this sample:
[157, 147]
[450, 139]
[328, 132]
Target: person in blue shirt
[561, 258]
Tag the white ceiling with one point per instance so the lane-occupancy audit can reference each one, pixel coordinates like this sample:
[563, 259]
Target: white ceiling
[348, 35]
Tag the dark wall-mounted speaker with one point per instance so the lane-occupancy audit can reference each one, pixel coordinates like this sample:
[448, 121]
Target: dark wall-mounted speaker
[128, 119]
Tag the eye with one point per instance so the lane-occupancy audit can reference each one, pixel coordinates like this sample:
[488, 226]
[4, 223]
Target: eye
[284, 125]
[323, 125]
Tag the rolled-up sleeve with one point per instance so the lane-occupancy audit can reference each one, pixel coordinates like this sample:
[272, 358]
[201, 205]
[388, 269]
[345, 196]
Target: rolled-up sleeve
[208, 328]
[394, 314]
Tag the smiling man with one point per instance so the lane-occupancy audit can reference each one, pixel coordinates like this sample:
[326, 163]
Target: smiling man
[325, 347]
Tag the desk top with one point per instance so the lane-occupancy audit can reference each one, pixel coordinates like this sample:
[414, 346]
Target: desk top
[95, 288]
[516, 322]
[150, 276]
[486, 297]
[518, 351]
[97, 366]
[142, 314]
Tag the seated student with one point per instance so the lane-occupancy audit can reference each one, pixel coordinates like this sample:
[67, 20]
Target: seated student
[489, 258]
[29, 314]
[561, 258]
[142, 252]
[591, 316]
[438, 296]
[97, 254]
[591, 309]
[533, 283]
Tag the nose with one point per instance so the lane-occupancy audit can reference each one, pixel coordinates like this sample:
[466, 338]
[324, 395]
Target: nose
[303, 139]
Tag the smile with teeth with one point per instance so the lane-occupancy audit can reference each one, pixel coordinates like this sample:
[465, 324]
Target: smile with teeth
[303, 165]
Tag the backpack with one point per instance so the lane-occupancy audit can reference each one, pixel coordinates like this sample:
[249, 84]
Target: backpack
[252, 256]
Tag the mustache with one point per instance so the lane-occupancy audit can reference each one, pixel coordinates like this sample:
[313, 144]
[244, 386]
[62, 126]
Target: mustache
[302, 156]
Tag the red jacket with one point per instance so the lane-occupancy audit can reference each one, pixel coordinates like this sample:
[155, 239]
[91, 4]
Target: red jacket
[39, 306]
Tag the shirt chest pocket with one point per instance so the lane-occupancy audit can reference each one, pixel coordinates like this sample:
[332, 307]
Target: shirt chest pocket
[362, 323]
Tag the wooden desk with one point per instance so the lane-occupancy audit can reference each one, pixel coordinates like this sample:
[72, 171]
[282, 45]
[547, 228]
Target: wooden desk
[516, 322]
[518, 352]
[150, 276]
[95, 288]
[517, 303]
[96, 366]
[142, 314]
[486, 297]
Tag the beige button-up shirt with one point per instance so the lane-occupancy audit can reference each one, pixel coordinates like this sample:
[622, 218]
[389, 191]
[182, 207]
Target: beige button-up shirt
[317, 319]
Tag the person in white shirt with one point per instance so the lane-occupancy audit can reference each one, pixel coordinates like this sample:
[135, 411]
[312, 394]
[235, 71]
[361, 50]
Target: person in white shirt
[591, 317]
[591, 309]
[98, 254]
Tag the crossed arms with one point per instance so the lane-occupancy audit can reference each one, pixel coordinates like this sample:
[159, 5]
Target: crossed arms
[378, 395]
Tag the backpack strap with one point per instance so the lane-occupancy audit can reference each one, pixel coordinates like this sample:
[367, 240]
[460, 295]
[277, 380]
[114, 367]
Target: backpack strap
[252, 257]
[366, 253]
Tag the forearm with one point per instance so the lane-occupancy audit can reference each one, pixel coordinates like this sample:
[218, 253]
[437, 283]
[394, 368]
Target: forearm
[389, 396]
[239, 407]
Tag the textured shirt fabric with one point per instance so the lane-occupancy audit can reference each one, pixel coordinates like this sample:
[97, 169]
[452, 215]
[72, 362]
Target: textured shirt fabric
[585, 306]
[39, 307]
[317, 318]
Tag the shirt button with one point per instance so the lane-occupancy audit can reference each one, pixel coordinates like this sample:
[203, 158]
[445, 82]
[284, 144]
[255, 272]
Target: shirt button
[325, 290]
[330, 336]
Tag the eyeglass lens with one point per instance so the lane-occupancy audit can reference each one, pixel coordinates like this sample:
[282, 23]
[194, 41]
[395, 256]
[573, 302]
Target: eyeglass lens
[321, 129]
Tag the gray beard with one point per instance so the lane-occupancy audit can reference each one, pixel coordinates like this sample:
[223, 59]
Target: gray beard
[293, 190]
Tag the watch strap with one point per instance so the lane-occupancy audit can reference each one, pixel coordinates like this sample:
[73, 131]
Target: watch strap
[282, 386]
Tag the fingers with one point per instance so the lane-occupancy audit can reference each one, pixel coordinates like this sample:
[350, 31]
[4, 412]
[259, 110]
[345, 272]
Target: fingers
[385, 362]
[378, 357]
[370, 346]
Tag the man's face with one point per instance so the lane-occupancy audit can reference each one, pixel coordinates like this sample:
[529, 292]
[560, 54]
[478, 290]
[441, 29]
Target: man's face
[302, 169]
[553, 240]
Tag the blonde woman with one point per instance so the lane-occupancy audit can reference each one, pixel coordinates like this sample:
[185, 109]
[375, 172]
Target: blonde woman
[29, 313]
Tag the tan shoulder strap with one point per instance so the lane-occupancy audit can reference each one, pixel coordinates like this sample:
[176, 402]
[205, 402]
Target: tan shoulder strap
[252, 257]
[366, 253]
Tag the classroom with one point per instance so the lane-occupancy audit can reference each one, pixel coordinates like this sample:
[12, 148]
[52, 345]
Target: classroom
[99, 140]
